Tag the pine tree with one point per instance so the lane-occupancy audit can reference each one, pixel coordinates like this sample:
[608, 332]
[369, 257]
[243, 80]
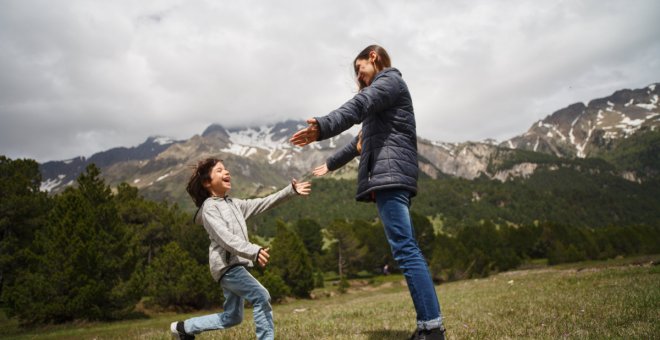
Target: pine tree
[290, 259]
[79, 258]
[309, 232]
[23, 209]
[347, 249]
[174, 279]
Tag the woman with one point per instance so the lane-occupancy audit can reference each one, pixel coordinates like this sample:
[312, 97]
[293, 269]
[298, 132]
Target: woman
[387, 173]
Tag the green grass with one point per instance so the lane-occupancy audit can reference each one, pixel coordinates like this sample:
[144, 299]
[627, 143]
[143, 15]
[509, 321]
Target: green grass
[589, 300]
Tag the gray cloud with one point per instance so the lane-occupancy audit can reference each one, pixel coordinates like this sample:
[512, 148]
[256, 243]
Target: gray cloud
[83, 76]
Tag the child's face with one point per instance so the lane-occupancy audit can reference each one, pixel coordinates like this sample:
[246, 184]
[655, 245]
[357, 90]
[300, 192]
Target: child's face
[220, 181]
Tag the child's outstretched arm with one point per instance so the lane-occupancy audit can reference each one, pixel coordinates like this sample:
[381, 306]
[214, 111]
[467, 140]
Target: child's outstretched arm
[255, 206]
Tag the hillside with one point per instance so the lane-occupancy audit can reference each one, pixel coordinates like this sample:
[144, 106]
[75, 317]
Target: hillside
[601, 300]
[570, 192]
[581, 130]
[620, 130]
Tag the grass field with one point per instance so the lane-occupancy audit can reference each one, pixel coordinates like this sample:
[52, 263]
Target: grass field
[595, 300]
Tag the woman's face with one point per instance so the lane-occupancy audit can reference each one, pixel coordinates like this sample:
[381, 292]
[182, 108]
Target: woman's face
[365, 71]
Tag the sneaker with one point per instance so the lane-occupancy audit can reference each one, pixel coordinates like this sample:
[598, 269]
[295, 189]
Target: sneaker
[178, 332]
[428, 334]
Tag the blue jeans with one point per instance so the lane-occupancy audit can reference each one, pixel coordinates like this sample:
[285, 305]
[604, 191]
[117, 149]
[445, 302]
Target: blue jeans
[393, 208]
[238, 285]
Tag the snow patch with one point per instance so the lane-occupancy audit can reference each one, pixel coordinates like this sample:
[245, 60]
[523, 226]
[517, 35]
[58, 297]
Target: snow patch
[260, 137]
[629, 103]
[652, 105]
[647, 106]
[275, 156]
[570, 132]
[652, 87]
[580, 148]
[163, 140]
[51, 183]
[629, 126]
[240, 150]
[135, 181]
[447, 146]
[162, 177]
[600, 116]
[611, 135]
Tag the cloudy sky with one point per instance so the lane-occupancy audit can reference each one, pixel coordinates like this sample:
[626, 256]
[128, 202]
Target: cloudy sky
[78, 77]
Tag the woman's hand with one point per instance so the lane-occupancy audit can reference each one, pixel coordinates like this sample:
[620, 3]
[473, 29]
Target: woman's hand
[302, 188]
[320, 170]
[262, 257]
[306, 135]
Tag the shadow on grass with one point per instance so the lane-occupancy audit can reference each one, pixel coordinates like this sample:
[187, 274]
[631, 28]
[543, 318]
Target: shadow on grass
[388, 334]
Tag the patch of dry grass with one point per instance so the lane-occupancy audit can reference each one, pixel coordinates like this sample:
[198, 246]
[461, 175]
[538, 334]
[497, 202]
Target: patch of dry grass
[581, 301]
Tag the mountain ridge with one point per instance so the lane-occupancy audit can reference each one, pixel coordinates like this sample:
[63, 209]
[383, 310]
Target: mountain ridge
[262, 158]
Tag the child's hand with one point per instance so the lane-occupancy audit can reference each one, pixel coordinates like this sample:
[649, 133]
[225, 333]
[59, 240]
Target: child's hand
[320, 170]
[302, 188]
[262, 257]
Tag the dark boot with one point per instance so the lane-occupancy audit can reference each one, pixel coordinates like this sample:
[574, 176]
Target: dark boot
[179, 333]
[429, 334]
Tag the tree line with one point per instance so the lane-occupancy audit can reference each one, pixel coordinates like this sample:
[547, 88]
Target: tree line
[96, 253]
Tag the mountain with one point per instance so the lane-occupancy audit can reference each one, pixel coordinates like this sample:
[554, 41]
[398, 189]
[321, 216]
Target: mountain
[260, 159]
[621, 128]
[580, 130]
[613, 128]
[58, 174]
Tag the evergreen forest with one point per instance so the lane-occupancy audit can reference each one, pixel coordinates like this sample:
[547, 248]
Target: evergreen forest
[94, 252]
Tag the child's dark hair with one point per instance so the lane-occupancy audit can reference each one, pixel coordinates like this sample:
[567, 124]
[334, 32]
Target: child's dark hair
[201, 174]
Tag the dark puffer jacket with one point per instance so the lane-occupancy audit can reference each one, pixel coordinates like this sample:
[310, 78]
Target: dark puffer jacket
[389, 139]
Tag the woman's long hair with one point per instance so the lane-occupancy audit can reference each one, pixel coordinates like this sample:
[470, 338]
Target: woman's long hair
[201, 174]
[382, 61]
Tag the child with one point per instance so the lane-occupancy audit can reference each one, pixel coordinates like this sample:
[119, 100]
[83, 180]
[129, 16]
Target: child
[230, 251]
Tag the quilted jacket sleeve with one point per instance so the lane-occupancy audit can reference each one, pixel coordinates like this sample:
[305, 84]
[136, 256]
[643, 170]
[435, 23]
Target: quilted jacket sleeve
[343, 156]
[381, 94]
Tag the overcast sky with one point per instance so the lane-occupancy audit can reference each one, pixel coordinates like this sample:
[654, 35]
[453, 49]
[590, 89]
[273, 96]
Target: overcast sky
[78, 77]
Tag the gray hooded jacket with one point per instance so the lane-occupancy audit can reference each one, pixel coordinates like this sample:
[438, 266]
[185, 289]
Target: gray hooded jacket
[224, 221]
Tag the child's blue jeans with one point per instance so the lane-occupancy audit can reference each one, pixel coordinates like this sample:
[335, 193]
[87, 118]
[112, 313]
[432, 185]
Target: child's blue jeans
[238, 285]
[393, 208]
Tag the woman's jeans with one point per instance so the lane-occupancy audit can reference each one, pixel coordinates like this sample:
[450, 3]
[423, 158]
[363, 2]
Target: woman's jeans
[393, 208]
[238, 285]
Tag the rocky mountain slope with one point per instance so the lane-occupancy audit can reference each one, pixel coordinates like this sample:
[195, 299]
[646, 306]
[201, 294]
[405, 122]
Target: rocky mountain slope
[581, 130]
[261, 158]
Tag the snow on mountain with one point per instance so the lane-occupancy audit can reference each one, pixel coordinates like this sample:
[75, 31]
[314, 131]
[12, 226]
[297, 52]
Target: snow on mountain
[260, 137]
[263, 156]
[160, 140]
[51, 183]
[580, 130]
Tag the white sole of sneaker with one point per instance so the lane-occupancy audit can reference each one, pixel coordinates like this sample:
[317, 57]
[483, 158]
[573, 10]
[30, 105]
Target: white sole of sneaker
[175, 333]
